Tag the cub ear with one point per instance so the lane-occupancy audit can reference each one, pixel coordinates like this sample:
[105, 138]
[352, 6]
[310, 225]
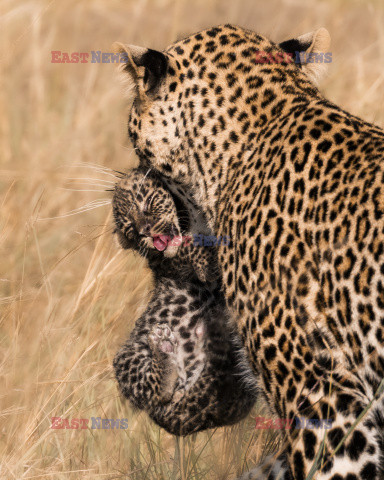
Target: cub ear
[311, 52]
[143, 67]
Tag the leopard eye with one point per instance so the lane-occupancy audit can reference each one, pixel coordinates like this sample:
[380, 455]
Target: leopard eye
[127, 229]
[148, 203]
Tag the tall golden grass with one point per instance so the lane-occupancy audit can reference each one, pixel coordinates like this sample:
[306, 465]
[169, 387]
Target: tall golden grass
[68, 296]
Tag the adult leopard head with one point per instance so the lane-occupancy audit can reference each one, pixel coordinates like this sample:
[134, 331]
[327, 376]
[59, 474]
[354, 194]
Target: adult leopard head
[201, 102]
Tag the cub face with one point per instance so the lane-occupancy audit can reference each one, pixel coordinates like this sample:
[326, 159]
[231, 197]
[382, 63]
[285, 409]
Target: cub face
[145, 214]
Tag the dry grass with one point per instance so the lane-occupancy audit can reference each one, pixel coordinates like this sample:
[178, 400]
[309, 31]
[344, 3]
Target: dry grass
[68, 297]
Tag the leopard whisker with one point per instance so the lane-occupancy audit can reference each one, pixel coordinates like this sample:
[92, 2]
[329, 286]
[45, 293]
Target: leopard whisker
[85, 208]
[98, 168]
[91, 180]
[84, 190]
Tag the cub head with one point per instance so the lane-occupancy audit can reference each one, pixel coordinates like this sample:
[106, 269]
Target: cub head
[146, 216]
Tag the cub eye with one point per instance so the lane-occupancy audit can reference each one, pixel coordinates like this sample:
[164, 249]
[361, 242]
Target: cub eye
[148, 203]
[127, 229]
[119, 225]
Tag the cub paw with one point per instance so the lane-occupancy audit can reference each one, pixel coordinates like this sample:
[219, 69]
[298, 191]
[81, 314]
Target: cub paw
[163, 339]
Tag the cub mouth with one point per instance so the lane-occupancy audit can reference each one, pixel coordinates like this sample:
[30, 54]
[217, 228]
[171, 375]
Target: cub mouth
[160, 242]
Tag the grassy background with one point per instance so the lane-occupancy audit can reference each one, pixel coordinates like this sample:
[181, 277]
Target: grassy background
[68, 296]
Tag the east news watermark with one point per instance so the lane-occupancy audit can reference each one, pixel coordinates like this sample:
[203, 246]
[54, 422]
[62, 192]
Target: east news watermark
[95, 56]
[197, 240]
[260, 57]
[93, 423]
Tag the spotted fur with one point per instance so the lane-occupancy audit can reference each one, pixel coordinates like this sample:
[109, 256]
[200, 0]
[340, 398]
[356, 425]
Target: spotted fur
[298, 185]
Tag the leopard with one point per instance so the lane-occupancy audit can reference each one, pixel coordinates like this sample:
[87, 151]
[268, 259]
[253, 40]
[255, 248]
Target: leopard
[232, 120]
[182, 362]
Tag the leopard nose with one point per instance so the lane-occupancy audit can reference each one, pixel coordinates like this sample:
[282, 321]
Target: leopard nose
[146, 230]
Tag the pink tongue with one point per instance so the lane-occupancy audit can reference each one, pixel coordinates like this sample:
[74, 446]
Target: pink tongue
[160, 243]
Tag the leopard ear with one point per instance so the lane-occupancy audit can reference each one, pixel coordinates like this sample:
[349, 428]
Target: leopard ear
[142, 68]
[311, 52]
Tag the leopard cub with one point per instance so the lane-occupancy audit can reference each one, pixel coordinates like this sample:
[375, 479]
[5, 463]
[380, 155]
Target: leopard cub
[157, 224]
[182, 362]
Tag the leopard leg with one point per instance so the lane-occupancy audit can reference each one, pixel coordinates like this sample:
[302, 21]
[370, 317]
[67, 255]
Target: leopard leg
[145, 366]
[328, 438]
[203, 261]
[339, 429]
[163, 344]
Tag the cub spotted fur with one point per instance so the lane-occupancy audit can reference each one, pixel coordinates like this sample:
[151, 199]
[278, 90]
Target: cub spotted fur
[181, 362]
